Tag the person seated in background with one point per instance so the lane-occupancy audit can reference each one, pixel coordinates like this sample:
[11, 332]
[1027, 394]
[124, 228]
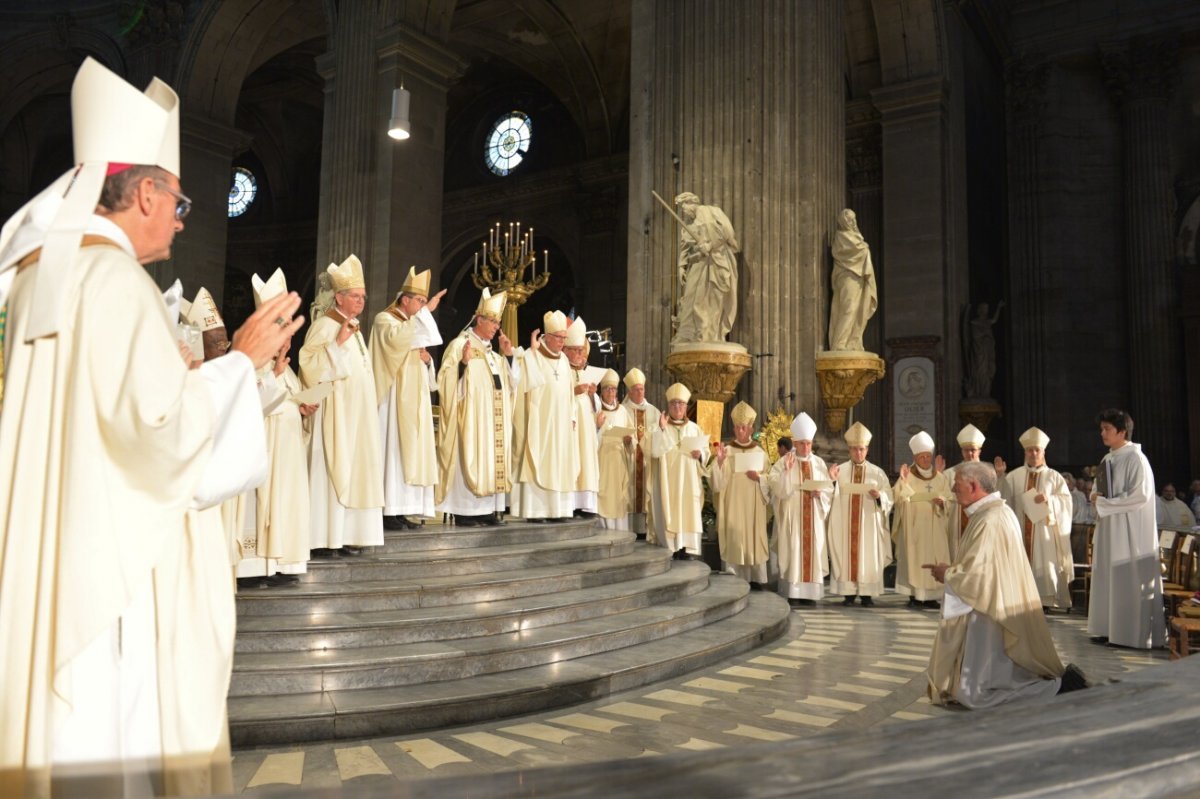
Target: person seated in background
[1170, 510]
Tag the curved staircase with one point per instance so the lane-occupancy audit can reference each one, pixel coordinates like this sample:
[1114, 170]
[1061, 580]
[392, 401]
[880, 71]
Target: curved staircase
[450, 625]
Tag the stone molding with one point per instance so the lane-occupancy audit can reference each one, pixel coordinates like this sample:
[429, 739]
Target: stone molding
[1141, 69]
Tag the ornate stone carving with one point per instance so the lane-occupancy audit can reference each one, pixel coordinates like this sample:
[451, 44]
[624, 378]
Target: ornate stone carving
[979, 412]
[844, 379]
[864, 162]
[1141, 69]
[712, 372]
[1025, 82]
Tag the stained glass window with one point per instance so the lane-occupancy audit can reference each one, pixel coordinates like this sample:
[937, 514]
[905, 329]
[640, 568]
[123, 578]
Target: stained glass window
[508, 142]
[242, 192]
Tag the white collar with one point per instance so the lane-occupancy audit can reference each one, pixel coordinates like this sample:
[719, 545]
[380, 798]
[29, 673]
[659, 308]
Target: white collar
[980, 504]
[103, 226]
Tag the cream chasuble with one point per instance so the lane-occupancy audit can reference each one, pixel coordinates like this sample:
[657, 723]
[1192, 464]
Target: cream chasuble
[993, 644]
[741, 515]
[860, 541]
[92, 554]
[678, 479]
[403, 383]
[921, 533]
[279, 535]
[587, 484]
[1126, 603]
[545, 442]
[475, 446]
[1046, 541]
[644, 493]
[802, 497]
[616, 470]
[348, 419]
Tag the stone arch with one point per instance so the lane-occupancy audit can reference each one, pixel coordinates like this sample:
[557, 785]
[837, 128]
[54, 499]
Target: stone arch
[911, 38]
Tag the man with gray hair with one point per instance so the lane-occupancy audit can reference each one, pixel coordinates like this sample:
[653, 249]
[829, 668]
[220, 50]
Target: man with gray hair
[993, 644]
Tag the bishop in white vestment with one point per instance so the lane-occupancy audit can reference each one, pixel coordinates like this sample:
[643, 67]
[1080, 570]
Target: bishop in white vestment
[801, 487]
[738, 479]
[1040, 498]
[404, 380]
[919, 524]
[970, 441]
[678, 447]
[615, 500]
[345, 462]
[545, 444]
[1126, 604]
[645, 496]
[860, 542]
[476, 386]
[106, 439]
[587, 403]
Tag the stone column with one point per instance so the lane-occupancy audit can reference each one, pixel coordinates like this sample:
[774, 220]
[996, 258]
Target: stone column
[864, 167]
[1025, 85]
[742, 104]
[1141, 76]
[408, 211]
[921, 247]
[207, 150]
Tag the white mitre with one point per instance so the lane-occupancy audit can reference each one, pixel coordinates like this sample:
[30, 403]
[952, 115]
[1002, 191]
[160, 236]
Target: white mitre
[577, 333]
[554, 322]
[268, 289]
[113, 126]
[634, 377]
[971, 436]
[1033, 437]
[921, 442]
[203, 312]
[803, 427]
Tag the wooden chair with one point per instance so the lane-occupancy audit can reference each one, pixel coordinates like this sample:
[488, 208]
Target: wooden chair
[1177, 588]
[1180, 639]
[1081, 550]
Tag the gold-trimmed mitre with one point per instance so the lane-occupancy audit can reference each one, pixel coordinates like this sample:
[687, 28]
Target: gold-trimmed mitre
[417, 282]
[347, 275]
[742, 413]
[491, 306]
[858, 435]
[678, 391]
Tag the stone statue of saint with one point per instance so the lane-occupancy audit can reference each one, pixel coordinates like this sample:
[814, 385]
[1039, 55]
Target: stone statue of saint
[854, 295]
[981, 350]
[708, 252]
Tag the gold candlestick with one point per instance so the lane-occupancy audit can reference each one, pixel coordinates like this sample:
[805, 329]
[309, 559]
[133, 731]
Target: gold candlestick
[501, 265]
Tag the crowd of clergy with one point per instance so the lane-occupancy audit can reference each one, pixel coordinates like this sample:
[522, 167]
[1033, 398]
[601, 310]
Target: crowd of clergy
[147, 454]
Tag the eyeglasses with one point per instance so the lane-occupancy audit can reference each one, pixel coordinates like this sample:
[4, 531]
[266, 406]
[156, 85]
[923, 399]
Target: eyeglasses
[183, 204]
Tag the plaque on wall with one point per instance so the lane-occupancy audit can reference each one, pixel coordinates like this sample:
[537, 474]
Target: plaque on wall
[914, 404]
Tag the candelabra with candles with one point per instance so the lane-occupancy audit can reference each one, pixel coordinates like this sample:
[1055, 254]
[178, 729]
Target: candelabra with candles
[501, 264]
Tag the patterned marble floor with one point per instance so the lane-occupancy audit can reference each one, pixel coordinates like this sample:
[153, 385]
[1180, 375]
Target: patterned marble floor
[837, 668]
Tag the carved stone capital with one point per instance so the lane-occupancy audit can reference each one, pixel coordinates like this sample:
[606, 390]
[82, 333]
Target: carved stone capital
[864, 162]
[1025, 81]
[979, 412]
[844, 380]
[711, 373]
[1141, 69]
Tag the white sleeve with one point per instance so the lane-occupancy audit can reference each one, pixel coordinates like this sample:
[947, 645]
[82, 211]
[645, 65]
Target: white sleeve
[952, 606]
[238, 461]
[338, 368]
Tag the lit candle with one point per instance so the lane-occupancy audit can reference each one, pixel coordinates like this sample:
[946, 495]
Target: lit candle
[546, 261]
[477, 263]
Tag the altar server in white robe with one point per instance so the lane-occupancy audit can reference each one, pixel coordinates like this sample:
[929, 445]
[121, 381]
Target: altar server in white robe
[647, 500]
[544, 441]
[117, 627]
[802, 488]
[1040, 498]
[993, 645]
[404, 379]
[275, 537]
[741, 497]
[970, 442]
[860, 541]
[919, 525]
[1126, 604]
[476, 389]
[615, 501]
[587, 404]
[679, 448]
[345, 461]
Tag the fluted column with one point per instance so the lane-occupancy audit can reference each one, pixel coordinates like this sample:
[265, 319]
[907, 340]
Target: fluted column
[864, 167]
[1141, 76]
[742, 104]
[1026, 92]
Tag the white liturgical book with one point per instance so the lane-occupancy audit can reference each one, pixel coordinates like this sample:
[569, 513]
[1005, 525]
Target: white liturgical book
[858, 488]
[749, 461]
[816, 485]
[1034, 511]
[692, 443]
[311, 396]
[619, 432]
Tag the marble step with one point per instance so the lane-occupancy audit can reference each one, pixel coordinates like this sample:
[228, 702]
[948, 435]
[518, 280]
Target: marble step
[309, 631]
[601, 544]
[397, 710]
[437, 537]
[268, 673]
[317, 598]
